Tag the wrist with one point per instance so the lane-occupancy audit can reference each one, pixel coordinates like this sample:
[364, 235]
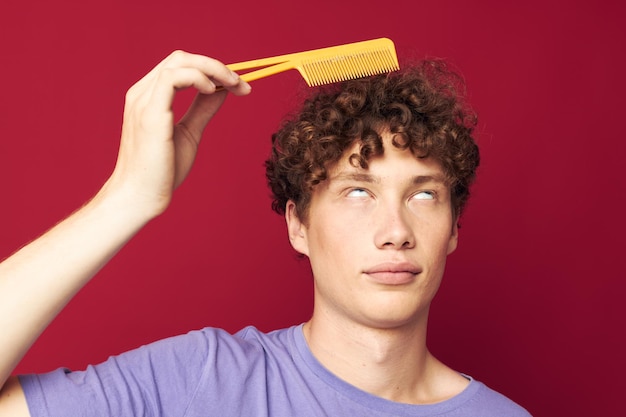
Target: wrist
[128, 204]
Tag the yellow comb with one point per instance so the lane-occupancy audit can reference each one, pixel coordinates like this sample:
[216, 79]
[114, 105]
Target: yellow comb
[328, 65]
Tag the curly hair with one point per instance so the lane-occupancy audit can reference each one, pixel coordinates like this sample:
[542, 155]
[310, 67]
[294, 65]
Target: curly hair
[423, 107]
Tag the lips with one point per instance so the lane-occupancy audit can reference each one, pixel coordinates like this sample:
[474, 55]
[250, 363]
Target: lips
[392, 273]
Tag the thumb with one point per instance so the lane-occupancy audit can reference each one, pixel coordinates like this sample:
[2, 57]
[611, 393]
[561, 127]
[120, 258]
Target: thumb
[201, 111]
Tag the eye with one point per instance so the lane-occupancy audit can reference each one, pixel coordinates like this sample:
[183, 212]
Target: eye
[424, 195]
[357, 192]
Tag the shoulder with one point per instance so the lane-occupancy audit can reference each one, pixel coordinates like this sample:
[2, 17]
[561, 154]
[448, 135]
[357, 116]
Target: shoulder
[494, 403]
[182, 371]
[210, 338]
[276, 337]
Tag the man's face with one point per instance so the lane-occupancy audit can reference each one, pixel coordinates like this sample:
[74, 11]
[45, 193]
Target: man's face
[377, 239]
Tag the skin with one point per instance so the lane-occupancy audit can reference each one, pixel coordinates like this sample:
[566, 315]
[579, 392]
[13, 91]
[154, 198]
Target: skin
[155, 156]
[369, 323]
[377, 240]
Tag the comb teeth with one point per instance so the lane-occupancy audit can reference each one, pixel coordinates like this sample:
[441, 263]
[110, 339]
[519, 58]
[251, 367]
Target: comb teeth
[348, 66]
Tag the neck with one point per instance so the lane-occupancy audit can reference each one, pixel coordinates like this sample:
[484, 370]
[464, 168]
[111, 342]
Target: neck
[392, 363]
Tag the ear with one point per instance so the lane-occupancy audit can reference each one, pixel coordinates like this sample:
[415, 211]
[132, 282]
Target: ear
[296, 229]
[454, 236]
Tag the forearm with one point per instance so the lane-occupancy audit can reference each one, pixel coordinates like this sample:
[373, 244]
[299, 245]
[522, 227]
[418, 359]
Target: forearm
[155, 156]
[40, 279]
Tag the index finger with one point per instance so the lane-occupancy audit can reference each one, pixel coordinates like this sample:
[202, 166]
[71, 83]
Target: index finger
[215, 71]
[212, 68]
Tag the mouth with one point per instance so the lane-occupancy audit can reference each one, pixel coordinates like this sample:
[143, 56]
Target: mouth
[390, 273]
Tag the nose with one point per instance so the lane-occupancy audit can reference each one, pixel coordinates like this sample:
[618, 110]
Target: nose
[393, 227]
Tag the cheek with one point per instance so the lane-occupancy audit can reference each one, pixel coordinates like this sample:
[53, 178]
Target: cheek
[339, 225]
[438, 238]
[329, 243]
[334, 244]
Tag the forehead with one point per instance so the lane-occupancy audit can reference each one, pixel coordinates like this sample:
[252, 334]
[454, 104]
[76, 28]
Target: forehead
[394, 164]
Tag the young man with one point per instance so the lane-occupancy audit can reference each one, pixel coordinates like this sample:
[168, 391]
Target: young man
[372, 176]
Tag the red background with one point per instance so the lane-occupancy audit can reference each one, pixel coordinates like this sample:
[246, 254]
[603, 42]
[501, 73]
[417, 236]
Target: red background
[533, 300]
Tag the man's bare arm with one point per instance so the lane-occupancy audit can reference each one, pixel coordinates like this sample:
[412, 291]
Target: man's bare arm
[12, 400]
[154, 158]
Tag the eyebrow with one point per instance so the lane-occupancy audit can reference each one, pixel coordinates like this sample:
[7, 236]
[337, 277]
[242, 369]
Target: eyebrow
[373, 179]
[423, 179]
[356, 176]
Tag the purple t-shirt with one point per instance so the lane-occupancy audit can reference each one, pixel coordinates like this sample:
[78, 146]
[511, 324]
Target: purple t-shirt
[212, 373]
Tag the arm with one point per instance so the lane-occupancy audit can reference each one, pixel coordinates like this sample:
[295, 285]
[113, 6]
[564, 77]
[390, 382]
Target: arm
[154, 158]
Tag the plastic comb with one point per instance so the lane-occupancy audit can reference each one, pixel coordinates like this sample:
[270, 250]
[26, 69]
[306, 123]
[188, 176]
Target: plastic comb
[328, 65]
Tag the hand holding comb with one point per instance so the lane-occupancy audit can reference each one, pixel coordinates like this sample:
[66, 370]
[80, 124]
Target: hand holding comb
[328, 65]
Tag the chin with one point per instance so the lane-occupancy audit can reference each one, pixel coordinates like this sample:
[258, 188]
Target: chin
[396, 316]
